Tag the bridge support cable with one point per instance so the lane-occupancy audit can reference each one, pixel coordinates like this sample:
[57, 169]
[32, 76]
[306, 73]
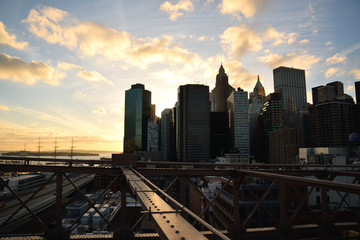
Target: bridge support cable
[150, 200]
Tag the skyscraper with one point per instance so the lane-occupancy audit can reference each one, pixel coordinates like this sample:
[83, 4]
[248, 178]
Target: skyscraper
[256, 101]
[259, 91]
[137, 114]
[357, 92]
[284, 145]
[270, 118]
[290, 82]
[165, 134]
[239, 121]
[193, 123]
[221, 92]
[327, 93]
[334, 121]
[339, 87]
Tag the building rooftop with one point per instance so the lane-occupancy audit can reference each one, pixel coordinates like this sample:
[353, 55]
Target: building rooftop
[22, 177]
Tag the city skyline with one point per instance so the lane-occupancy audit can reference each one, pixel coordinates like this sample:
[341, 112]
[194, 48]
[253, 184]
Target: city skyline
[64, 68]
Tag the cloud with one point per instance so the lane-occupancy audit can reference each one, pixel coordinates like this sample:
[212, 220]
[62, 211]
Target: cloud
[4, 108]
[178, 9]
[18, 70]
[311, 8]
[279, 37]
[93, 77]
[240, 77]
[337, 58]
[89, 76]
[328, 43]
[248, 8]
[68, 66]
[330, 72]
[201, 38]
[99, 111]
[355, 73]
[239, 40]
[91, 39]
[297, 60]
[80, 94]
[10, 40]
[350, 87]
[304, 41]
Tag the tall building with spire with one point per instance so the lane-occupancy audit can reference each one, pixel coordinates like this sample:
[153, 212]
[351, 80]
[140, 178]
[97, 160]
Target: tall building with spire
[259, 91]
[256, 102]
[221, 92]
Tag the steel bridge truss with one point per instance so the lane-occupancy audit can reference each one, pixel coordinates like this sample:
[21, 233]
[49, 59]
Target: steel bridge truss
[173, 220]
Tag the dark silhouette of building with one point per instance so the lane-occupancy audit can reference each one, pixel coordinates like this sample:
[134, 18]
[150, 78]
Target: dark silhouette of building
[165, 134]
[219, 119]
[193, 123]
[284, 145]
[137, 113]
[334, 121]
[270, 119]
[221, 92]
[327, 93]
[256, 102]
[339, 87]
[219, 134]
[357, 92]
[172, 133]
[290, 82]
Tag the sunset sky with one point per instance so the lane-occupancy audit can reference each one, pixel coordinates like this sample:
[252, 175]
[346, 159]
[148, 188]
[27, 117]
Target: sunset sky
[65, 65]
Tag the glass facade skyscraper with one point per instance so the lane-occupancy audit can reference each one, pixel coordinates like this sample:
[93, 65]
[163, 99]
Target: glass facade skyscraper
[137, 114]
[193, 123]
[237, 105]
[290, 82]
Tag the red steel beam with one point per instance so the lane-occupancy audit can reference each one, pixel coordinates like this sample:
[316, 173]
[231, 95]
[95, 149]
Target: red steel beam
[331, 185]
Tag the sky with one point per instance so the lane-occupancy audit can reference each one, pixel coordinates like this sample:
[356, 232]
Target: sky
[65, 65]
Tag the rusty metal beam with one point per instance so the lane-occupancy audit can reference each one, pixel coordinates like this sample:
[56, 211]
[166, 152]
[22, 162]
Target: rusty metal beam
[183, 208]
[213, 200]
[59, 206]
[259, 203]
[26, 202]
[60, 169]
[168, 225]
[23, 204]
[331, 185]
